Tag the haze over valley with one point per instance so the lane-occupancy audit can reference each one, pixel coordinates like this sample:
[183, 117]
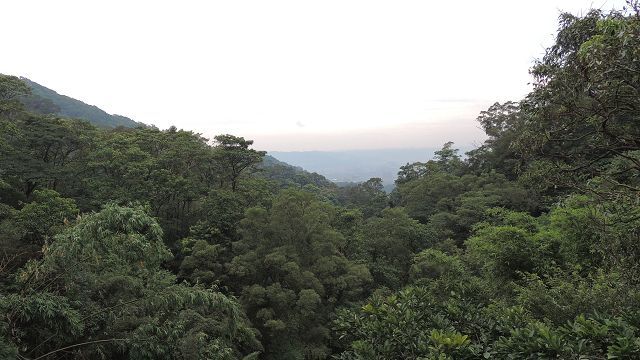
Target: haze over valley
[356, 165]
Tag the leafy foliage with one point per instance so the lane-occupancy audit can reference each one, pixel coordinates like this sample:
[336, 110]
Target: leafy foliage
[289, 260]
[140, 243]
[101, 283]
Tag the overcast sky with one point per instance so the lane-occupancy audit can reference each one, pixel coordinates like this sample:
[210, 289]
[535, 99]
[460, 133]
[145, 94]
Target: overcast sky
[292, 75]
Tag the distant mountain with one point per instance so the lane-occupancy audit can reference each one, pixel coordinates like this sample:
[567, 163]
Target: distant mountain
[46, 101]
[355, 165]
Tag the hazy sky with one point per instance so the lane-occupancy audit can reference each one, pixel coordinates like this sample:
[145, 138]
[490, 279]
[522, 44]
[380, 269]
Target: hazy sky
[293, 75]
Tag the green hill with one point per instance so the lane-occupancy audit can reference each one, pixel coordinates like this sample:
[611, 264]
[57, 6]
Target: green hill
[46, 101]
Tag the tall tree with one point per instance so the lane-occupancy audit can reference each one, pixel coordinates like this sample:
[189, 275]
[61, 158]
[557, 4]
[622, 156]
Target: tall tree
[235, 157]
[585, 109]
[11, 89]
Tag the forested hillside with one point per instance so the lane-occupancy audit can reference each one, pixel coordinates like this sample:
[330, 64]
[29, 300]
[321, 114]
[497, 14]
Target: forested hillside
[140, 243]
[46, 101]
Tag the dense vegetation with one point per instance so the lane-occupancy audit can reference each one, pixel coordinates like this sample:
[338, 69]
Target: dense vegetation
[144, 244]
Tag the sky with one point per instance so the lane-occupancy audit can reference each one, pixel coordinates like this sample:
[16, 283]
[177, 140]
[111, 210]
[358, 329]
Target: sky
[291, 75]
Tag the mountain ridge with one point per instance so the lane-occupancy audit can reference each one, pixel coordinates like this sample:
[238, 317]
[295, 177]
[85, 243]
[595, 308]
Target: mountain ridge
[47, 101]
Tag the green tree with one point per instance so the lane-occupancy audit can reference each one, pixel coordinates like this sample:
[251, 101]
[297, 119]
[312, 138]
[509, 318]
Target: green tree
[583, 127]
[11, 89]
[45, 215]
[368, 196]
[290, 274]
[100, 290]
[406, 325]
[501, 123]
[234, 157]
[388, 245]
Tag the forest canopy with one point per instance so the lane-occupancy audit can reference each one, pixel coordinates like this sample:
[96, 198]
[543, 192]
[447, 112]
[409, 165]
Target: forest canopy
[141, 243]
